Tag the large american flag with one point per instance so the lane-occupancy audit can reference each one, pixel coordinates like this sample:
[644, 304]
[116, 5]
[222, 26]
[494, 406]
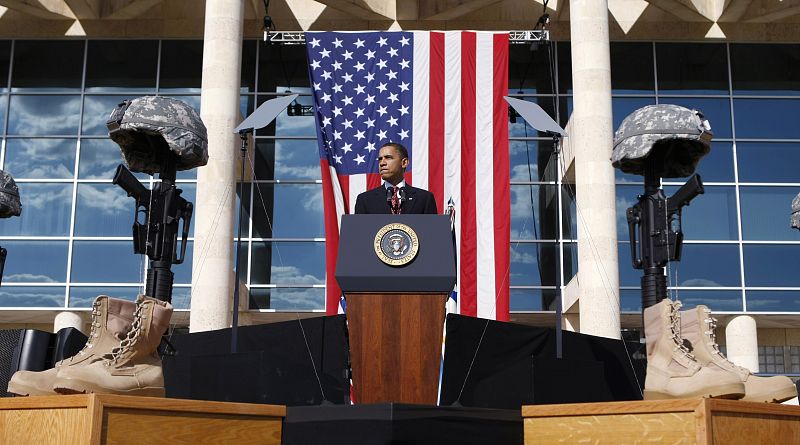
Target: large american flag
[441, 95]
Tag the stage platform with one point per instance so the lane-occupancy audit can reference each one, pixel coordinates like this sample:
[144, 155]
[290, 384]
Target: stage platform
[93, 419]
[396, 423]
[690, 421]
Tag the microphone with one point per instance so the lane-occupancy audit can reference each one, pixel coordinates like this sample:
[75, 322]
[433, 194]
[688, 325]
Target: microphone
[402, 194]
[389, 194]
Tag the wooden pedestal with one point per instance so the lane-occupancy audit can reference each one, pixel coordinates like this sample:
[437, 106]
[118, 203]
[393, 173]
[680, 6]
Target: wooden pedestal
[690, 421]
[395, 346]
[94, 419]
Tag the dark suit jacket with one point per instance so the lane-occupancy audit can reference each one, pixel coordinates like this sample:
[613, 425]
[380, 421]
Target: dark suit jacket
[418, 201]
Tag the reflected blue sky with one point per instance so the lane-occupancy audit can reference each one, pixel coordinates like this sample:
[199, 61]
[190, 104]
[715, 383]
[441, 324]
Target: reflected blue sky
[44, 115]
[773, 301]
[771, 265]
[288, 263]
[287, 299]
[767, 118]
[105, 262]
[40, 158]
[765, 213]
[45, 211]
[710, 216]
[768, 161]
[38, 296]
[35, 262]
[82, 297]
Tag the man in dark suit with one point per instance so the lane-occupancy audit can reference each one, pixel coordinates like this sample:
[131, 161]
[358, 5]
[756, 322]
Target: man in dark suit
[394, 196]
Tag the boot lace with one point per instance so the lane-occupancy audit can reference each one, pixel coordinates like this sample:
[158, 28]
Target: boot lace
[711, 325]
[130, 339]
[93, 333]
[675, 331]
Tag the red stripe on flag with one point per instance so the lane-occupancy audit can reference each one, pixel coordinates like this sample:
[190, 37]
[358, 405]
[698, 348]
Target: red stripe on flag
[502, 203]
[468, 289]
[373, 180]
[436, 121]
[332, 290]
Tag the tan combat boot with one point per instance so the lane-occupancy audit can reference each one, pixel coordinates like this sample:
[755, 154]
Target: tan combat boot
[697, 326]
[672, 372]
[133, 367]
[111, 320]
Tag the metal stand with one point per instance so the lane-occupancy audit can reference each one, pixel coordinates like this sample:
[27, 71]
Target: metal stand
[235, 320]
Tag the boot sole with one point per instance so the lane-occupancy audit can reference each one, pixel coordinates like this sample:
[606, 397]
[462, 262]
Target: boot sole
[774, 397]
[78, 387]
[25, 391]
[732, 391]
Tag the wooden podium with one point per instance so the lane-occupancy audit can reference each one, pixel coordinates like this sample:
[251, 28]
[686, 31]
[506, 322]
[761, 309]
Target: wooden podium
[395, 314]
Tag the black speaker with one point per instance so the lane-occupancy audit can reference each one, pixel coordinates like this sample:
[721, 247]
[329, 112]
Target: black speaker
[493, 364]
[34, 350]
[289, 363]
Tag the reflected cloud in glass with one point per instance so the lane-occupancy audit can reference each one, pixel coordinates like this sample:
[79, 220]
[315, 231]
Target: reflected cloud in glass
[765, 213]
[288, 299]
[288, 263]
[83, 297]
[40, 158]
[35, 262]
[17, 296]
[45, 211]
[44, 115]
[288, 211]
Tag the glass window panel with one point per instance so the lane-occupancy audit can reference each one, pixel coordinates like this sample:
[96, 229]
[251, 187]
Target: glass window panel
[44, 115]
[621, 107]
[41, 158]
[121, 65]
[248, 81]
[181, 297]
[716, 300]
[765, 69]
[288, 211]
[628, 276]
[564, 64]
[692, 68]
[632, 68]
[282, 66]
[84, 296]
[96, 110]
[45, 211]
[710, 216]
[531, 299]
[18, 296]
[288, 299]
[3, 107]
[181, 66]
[771, 265]
[569, 217]
[103, 210]
[767, 118]
[765, 213]
[519, 128]
[47, 65]
[533, 264]
[706, 265]
[630, 300]
[286, 159]
[529, 69]
[773, 301]
[288, 263]
[533, 210]
[100, 158]
[717, 165]
[5, 58]
[183, 271]
[35, 262]
[106, 262]
[570, 261]
[626, 197]
[768, 161]
[285, 125]
[717, 111]
[533, 161]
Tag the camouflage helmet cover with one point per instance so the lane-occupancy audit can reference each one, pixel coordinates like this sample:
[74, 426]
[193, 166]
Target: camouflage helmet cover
[135, 124]
[796, 212]
[9, 196]
[680, 135]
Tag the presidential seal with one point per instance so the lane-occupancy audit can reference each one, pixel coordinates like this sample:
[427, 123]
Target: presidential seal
[396, 244]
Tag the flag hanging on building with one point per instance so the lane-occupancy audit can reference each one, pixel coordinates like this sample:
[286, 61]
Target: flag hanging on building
[440, 94]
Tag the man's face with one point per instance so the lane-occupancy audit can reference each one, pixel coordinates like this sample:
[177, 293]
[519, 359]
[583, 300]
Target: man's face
[390, 165]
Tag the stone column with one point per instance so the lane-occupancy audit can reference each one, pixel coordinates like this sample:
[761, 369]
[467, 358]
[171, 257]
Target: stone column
[592, 136]
[741, 341]
[69, 320]
[212, 268]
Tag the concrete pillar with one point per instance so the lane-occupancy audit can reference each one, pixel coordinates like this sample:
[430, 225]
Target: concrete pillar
[212, 269]
[741, 340]
[592, 137]
[69, 320]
